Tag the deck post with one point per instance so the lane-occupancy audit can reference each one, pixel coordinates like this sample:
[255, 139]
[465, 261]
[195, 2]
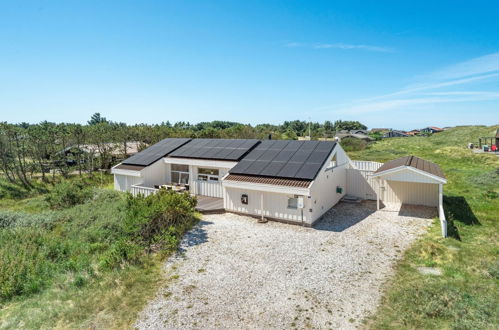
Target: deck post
[261, 204]
[377, 194]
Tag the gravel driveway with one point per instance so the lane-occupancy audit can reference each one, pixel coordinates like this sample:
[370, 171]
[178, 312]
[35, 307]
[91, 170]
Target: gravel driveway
[233, 272]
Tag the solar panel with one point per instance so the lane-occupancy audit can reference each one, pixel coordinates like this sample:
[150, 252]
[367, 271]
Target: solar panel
[155, 152]
[285, 159]
[217, 149]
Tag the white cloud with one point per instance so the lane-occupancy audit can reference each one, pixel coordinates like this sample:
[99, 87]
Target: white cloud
[476, 66]
[436, 89]
[340, 46]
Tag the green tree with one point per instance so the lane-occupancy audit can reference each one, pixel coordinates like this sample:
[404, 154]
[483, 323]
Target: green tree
[348, 125]
[96, 119]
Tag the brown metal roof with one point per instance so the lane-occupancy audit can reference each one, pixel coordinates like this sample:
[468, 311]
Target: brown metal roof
[130, 167]
[415, 162]
[269, 180]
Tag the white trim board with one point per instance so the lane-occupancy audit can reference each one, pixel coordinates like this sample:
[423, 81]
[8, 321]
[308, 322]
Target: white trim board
[410, 168]
[200, 162]
[118, 171]
[266, 187]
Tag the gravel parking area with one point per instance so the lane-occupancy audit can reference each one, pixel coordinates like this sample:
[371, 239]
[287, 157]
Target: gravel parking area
[233, 272]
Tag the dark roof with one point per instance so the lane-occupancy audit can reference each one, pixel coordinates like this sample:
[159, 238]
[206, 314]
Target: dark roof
[217, 149]
[497, 133]
[285, 159]
[415, 162]
[155, 152]
[268, 180]
[129, 167]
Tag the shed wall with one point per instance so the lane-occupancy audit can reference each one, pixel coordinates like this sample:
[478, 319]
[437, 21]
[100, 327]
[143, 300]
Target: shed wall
[409, 193]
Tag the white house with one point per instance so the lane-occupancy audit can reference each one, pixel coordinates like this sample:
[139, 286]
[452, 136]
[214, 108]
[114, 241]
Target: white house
[283, 180]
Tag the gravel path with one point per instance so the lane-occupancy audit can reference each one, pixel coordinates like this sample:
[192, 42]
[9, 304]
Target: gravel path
[233, 272]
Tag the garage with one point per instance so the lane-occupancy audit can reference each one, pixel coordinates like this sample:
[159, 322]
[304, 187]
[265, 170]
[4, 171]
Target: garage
[411, 180]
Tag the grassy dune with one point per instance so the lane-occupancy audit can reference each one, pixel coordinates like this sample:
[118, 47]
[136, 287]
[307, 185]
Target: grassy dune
[83, 266]
[465, 295]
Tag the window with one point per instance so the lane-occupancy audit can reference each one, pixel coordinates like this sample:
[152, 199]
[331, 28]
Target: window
[180, 173]
[208, 174]
[333, 162]
[293, 203]
[180, 168]
[209, 171]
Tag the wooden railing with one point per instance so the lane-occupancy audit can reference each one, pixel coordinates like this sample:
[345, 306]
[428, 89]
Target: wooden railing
[363, 165]
[209, 188]
[143, 190]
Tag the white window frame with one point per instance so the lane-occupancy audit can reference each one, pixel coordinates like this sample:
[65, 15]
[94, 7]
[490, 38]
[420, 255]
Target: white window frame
[181, 174]
[208, 177]
[295, 207]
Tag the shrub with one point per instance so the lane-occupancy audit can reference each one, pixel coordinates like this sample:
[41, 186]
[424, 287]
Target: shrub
[68, 194]
[353, 144]
[109, 230]
[10, 219]
[25, 260]
[159, 219]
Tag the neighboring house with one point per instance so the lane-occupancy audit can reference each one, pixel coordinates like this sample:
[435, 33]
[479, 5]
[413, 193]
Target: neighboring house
[431, 129]
[114, 149]
[391, 134]
[87, 152]
[414, 132]
[359, 131]
[356, 134]
[380, 130]
[284, 180]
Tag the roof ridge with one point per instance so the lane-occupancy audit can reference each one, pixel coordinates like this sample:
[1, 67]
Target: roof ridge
[409, 160]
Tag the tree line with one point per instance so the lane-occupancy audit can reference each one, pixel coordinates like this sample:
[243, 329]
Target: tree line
[29, 151]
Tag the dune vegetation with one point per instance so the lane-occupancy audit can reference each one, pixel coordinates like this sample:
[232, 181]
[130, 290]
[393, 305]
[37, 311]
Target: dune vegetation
[465, 295]
[86, 257]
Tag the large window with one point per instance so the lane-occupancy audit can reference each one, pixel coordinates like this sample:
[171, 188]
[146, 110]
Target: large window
[293, 203]
[180, 173]
[208, 174]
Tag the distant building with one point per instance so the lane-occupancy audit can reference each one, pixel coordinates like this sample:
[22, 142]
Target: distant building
[413, 132]
[359, 131]
[392, 134]
[356, 134]
[379, 130]
[431, 129]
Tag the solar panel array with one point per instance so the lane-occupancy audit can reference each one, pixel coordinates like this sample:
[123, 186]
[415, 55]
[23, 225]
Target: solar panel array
[217, 149]
[285, 159]
[155, 152]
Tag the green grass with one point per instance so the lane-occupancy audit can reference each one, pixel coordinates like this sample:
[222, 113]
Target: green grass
[465, 296]
[111, 302]
[84, 266]
[16, 198]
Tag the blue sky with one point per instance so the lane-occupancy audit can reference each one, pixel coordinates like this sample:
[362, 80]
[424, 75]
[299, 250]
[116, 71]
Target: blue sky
[393, 64]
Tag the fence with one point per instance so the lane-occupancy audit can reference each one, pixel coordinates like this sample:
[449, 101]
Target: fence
[145, 191]
[360, 182]
[209, 188]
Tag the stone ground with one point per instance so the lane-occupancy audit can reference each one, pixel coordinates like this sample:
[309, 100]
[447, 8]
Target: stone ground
[232, 272]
